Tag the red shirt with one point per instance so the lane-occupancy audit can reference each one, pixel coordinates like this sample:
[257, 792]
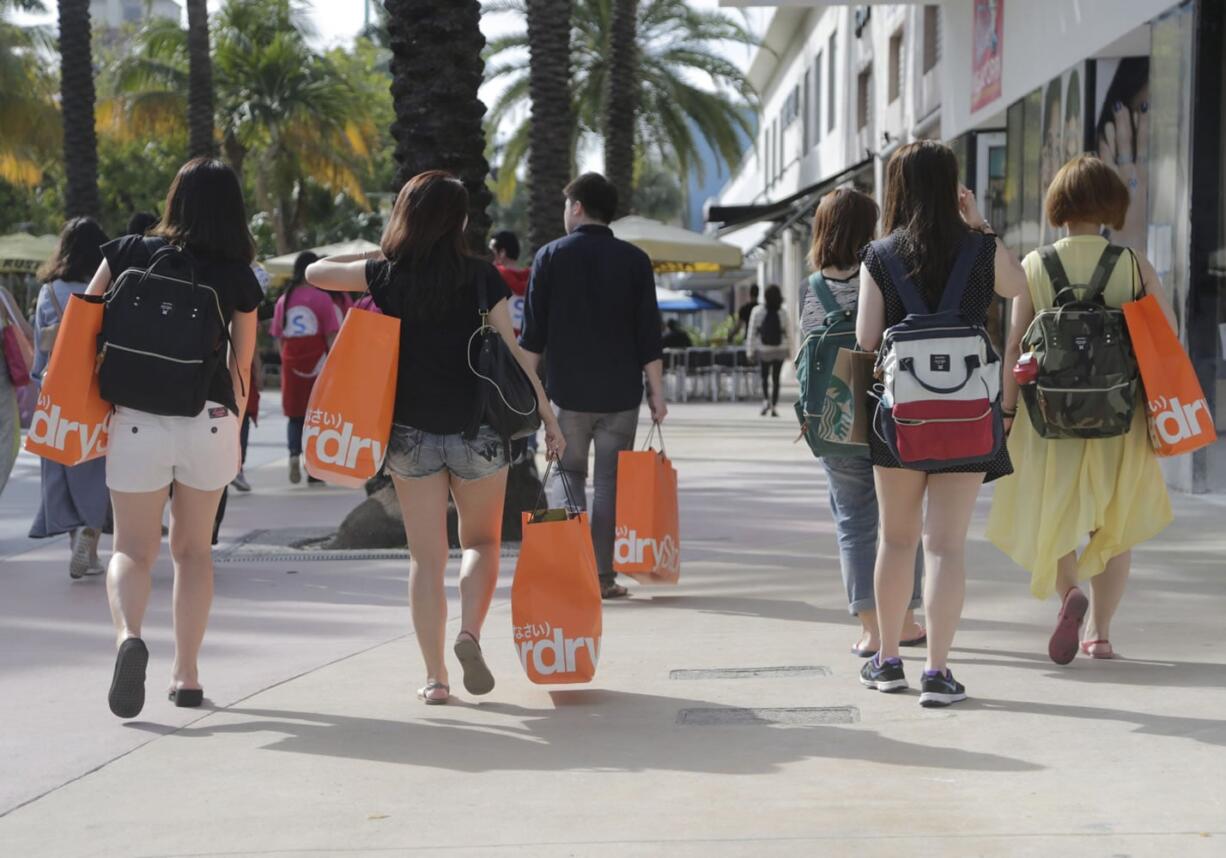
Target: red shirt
[517, 281]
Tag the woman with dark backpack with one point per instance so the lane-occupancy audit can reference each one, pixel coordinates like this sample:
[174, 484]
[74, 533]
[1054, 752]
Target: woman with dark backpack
[74, 499]
[192, 274]
[1104, 493]
[425, 276]
[768, 344]
[931, 223]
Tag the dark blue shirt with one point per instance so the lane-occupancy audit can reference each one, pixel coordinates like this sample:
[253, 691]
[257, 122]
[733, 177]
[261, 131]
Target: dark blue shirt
[592, 312]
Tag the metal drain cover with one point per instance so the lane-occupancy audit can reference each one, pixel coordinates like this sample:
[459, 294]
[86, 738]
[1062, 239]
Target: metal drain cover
[804, 716]
[790, 672]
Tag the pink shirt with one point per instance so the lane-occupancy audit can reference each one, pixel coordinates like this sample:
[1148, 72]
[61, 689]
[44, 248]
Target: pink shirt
[309, 312]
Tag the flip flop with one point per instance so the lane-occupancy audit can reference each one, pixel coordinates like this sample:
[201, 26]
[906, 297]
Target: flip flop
[477, 676]
[862, 652]
[127, 694]
[434, 693]
[1098, 649]
[919, 641]
[186, 698]
[1062, 648]
[613, 591]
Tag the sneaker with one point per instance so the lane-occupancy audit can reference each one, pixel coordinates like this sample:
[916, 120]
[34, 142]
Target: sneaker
[295, 470]
[85, 554]
[240, 483]
[885, 676]
[940, 689]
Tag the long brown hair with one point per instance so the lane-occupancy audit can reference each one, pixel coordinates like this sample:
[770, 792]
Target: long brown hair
[921, 209]
[205, 212]
[844, 222]
[424, 239]
[78, 253]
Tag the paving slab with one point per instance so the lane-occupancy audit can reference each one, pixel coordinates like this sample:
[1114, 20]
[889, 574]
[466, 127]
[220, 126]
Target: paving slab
[315, 745]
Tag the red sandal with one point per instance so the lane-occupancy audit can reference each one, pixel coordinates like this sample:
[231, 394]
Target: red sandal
[1098, 649]
[1063, 644]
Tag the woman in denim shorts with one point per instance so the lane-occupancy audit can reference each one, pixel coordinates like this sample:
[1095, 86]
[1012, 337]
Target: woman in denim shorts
[424, 276]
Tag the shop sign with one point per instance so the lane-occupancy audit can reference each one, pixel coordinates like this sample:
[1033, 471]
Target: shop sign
[986, 64]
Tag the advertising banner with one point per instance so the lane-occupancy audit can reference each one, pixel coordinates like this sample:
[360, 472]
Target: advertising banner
[988, 50]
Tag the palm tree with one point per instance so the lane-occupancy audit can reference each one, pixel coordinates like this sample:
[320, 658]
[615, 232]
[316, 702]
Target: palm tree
[549, 133]
[200, 139]
[622, 104]
[29, 121]
[436, 73]
[77, 105]
[677, 51]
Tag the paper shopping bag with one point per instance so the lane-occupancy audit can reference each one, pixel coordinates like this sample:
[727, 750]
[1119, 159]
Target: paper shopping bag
[71, 420]
[1179, 417]
[855, 370]
[555, 599]
[648, 533]
[349, 415]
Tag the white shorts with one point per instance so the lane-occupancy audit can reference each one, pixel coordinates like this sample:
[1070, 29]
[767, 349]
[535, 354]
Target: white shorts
[149, 452]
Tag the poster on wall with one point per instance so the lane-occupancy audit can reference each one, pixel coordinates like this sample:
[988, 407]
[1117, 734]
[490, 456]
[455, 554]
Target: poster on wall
[1121, 137]
[988, 49]
[1064, 103]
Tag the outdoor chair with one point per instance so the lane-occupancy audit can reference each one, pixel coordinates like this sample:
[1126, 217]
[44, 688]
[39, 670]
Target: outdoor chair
[674, 375]
[700, 373]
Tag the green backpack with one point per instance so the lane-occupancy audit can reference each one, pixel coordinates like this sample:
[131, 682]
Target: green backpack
[825, 407]
[1086, 385]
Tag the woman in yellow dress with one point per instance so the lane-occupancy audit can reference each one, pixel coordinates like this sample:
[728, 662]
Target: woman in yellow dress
[1067, 490]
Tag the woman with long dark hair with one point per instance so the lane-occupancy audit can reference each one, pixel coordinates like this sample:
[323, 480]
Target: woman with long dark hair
[74, 499]
[305, 324]
[768, 345]
[928, 217]
[425, 276]
[205, 216]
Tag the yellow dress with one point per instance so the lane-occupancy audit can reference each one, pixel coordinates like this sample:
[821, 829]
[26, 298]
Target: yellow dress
[1064, 489]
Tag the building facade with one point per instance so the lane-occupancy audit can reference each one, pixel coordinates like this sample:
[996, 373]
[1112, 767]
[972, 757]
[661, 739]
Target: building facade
[115, 14]
[1016, 87]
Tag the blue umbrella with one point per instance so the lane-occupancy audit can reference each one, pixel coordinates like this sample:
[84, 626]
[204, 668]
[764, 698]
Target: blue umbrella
[671, 301]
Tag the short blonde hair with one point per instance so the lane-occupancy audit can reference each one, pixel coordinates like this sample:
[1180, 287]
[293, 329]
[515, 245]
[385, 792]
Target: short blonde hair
[1087, 191]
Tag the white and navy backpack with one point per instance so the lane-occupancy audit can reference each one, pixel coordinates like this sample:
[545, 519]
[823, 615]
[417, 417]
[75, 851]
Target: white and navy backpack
[939, 400]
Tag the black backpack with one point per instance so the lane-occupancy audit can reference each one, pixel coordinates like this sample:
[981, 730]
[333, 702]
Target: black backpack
[163, 336]
[506, 399]
[772, 329]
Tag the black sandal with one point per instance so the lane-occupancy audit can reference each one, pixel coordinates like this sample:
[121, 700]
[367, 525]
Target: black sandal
[127, 695]
[613, 590]
[186, 698]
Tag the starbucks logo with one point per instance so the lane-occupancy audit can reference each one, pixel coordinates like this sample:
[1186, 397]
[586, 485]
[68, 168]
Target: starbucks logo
[838, 413]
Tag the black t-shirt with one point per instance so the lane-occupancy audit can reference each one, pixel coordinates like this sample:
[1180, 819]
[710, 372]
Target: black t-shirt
[436, 390]
[237, 290]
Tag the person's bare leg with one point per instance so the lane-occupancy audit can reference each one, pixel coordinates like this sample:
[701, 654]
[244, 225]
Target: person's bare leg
[1107, 588]
[1066, 573]
[138, 538]
[951, 503]
[479, 503]
[423, 504]
[900, 497]
[191, 547]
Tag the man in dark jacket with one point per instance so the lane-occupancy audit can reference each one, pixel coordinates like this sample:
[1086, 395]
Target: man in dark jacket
[592, 311]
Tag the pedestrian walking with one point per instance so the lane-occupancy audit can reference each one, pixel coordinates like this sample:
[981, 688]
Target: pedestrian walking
[768, 344]
[745, 311]
[305, 324]
[204, 229]
[505, 247]
[592, 317]
[930, 221]
[74, 500]
[425, 276]
[675, 336]
[843, 225]
[1067, 490]
[14, 402]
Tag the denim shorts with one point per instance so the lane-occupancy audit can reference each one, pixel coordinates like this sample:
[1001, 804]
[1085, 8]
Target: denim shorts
[413, 454]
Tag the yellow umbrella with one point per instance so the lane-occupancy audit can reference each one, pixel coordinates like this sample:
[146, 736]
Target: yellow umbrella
[282, 267]
[22, 253]
[673, 248]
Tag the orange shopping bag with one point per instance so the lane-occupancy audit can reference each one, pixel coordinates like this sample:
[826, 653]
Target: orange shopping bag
[1179, 417]
[648, 544]
[349, 415]
[71, 420]
[555, 597]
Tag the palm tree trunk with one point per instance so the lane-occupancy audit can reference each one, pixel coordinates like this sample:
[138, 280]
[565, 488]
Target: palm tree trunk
[621, 115]
[77, 96]
[199, 82]
[437, 69]
[553, 125]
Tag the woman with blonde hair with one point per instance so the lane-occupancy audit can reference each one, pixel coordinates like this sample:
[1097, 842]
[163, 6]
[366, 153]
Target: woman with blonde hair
[1065, 491]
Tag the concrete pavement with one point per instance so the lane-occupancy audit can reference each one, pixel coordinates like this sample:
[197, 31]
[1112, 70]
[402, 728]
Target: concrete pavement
[317, 746]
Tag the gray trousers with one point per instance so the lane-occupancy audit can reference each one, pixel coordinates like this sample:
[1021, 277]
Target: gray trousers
[610, 433]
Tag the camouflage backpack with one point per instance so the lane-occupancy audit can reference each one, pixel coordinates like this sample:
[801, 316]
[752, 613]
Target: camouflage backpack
[1086, 385]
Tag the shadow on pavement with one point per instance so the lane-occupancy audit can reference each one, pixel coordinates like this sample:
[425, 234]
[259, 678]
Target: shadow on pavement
[1208, 730]
[1118, 671]
[587, 730]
